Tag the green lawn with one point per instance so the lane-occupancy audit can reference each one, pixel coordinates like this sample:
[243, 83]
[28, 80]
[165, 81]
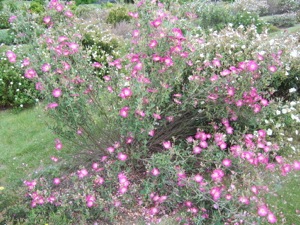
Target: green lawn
[25, 144]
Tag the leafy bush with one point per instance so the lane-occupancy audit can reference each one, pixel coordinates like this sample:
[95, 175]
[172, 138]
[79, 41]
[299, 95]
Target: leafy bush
[254, 6]
[4, 24]
[214, 17]
[247, 19]
[173, 128]
[283, 20]
[282, 6]
[6, 37]
[15, 91]
[298, 16]
[117, 15]
[36, 7]
[79, 2]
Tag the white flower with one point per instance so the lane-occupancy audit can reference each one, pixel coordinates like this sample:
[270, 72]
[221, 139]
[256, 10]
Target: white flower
[294, 53]
[284, 111]
[269, 132]
[290, 139]
[278, 112]
[292, 90]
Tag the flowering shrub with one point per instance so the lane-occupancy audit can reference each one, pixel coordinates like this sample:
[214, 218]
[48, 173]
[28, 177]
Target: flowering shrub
[255, 6]
[173, 128]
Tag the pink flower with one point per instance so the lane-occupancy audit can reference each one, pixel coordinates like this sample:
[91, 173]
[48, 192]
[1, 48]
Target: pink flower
[99, 181]
[12, 19]
[26, 62]
[244, 200]
[217, 175]
[252, 66]
[30, 73]
[197, 150]
[167, 144]
[126, 93]
[272, 218]
[135, 33]
[90, 200]
[156, 23]
[57, 93]
[226, 162]
[52, 105]
[97, 65]
[56, 181]
[262, 210]
[124, 112]
[58, 144]
[12, 57]
[225, 72]
[168, 61]
[54, 159]
[47, 19]
[155, 172]
[296, 165]
[46, 67]
[272, 69]
[216, 192]
[153, 43]
[134, 14]
[151, 133]
[59, 7]
[82, 173]
[122, 156]
[68, 13]
[216, 63]
[198, 178]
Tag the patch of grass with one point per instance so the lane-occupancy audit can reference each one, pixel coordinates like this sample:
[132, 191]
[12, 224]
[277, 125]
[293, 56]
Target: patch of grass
[25, 144]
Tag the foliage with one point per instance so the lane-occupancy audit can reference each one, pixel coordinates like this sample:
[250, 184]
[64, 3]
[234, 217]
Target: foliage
[117, 15]
[36, 7]
[4, 24]
[247, 19]
[254, 6]
[298, 16]
[282, 6]
[79, 2]
[283, 20]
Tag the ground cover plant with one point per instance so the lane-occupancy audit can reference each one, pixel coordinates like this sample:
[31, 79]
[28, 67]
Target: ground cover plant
[178, 125]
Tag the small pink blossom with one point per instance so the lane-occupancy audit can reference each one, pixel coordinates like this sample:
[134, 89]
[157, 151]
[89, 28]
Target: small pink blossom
[244, 200]
[226, 162]
[58, 144]
[197, 150]
[47, 19]
[271, 218]
[56, 181]
[272, 69]
[126, 93]
[46, 67]
[122, 156]
[156, 23]
[30, 74]
[198, 178]
[124, 112]
[262, 210]
[68, 14]
[82, 173]
[153, 43]
[252, 66]
[52, 105]
[167, 144]
[155, 172]
[57, 93]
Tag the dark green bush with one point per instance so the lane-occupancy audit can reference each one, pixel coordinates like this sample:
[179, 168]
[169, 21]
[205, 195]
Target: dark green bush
[214, 17]
[284, 20]
[15, 90]
[79, 2]
[4, 24]
[36, 7]
[117, 15]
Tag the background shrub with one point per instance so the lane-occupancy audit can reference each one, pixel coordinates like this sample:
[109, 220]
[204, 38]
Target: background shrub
[36, 7]
[116, 15]
[4, 24]
[248, 19]
[79, 2]
[15, 91]
[283, 20]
